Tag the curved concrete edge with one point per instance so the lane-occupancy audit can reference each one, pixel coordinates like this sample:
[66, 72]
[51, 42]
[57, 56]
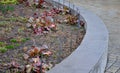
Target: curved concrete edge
[91, 55]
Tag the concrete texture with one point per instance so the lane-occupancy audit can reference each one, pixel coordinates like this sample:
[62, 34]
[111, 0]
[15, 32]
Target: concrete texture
[109, 12]
[91, 55]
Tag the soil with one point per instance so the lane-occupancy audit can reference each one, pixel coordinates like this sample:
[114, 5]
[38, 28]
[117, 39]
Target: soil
[61, 42]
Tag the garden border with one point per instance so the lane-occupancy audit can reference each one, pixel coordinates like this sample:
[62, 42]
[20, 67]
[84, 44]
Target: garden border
[91, 55]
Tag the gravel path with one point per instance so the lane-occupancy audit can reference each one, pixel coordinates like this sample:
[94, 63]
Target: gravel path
[109, 12]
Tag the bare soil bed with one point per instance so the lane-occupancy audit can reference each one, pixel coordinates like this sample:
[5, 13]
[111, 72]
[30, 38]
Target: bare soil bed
[21, 45]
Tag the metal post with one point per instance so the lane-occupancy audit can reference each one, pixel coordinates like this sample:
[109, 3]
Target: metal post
[77, 10]
[79, 15]
[58, 3]
[63, 3]
[69, 3]
[41, 63]
[79, 18]
[71, 42]
[73, 6]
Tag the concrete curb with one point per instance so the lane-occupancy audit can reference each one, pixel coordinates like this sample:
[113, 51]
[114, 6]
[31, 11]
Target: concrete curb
[91, 55]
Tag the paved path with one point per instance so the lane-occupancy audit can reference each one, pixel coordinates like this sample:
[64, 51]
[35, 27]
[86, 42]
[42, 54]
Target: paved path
[109, 12]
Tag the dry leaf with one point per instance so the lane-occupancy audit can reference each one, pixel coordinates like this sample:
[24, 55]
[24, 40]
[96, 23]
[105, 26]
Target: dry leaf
[48, 53]
[28, 68]
[25, 49]
[31, 19]
[31, 53]
[14, 64]
[26, 56]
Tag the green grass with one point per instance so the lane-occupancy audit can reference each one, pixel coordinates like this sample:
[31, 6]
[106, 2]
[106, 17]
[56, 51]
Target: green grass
[5, 47]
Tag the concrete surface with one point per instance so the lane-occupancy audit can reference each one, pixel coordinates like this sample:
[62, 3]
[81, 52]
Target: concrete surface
[109, 12]
[91, 55]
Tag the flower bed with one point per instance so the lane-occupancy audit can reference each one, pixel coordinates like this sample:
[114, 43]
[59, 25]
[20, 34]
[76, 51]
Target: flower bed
[34, 37]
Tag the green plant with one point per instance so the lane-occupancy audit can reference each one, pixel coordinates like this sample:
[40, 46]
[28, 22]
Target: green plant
[12, 19]
[13, 40]
[2, 43]
[2, 9]
[9, 8]
[5, 8]
[17, 45]
[25, 39]
[8, 1]
[4, 23]
[3, 49]
[10, 47]
[22, 19]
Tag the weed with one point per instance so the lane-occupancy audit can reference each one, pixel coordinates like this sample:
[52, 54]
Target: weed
[13, 40]
[4, 23]
[10, 46]
[25, 39]
[8, 1]
[17, 45]
[5, 8]
[22, 19]
[3, 49]
[2, 43]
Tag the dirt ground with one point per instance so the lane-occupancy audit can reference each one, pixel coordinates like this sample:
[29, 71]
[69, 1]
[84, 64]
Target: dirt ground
[61, 42]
